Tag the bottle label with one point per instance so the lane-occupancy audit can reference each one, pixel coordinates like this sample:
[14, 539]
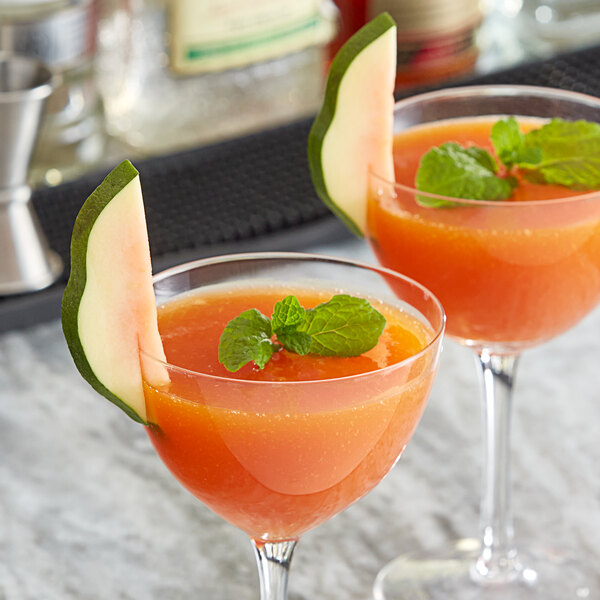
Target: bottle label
[225, 34]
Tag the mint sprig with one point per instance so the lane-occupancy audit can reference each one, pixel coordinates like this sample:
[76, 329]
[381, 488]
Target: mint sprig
[458, 172]
[343, 326]
[560, 152]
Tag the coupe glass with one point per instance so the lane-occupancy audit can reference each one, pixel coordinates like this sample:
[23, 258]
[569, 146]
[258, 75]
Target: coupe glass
[510, 275]
[276, 458]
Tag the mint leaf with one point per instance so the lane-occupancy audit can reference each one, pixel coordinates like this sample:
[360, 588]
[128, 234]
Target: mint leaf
[507, 140]
[482, 156]
[287, 315]
[510, 146]
[296, 341]
[570, 154]
[344, 326]
[559, 137]
[246, 338]
[451, 170]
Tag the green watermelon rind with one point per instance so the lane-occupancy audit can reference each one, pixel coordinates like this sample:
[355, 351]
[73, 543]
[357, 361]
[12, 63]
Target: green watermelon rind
[99, 199]
[339, 67]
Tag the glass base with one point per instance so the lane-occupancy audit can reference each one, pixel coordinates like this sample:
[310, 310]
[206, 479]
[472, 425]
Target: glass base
[445, 574]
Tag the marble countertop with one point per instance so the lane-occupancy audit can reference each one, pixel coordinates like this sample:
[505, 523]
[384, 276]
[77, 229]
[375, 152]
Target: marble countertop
[88, 511]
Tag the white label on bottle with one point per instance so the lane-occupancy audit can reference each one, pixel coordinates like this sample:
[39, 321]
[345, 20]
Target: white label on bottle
[214, 35]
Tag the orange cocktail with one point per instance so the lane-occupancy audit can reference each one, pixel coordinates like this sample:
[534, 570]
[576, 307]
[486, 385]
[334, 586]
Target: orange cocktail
[276, 460]
[513, 272]
[278, 451]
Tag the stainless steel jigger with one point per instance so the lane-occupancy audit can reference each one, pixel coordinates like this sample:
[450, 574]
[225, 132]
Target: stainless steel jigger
[26, 262]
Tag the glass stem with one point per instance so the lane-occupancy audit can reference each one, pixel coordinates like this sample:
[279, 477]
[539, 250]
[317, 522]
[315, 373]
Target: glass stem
[497, 561]
[273, 560]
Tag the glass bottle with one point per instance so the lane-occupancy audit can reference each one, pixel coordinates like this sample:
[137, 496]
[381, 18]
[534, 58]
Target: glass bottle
[179, 73]
[437, 39]
[550, 26]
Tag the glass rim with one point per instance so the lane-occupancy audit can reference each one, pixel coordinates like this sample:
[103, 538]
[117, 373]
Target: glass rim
[438, 331]
[469, 91]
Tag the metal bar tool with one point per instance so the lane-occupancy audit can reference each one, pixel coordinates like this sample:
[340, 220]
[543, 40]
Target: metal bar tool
[26, 262]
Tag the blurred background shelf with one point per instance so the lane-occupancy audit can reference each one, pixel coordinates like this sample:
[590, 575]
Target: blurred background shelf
[252, 192]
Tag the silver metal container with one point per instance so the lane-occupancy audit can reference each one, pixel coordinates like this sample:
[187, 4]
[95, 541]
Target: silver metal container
[26, 262]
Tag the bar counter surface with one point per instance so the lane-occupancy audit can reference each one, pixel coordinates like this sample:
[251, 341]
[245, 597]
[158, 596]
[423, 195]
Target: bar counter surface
[88, 511]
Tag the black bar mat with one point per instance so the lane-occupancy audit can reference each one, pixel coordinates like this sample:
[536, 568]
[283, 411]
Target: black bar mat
[247, 194]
